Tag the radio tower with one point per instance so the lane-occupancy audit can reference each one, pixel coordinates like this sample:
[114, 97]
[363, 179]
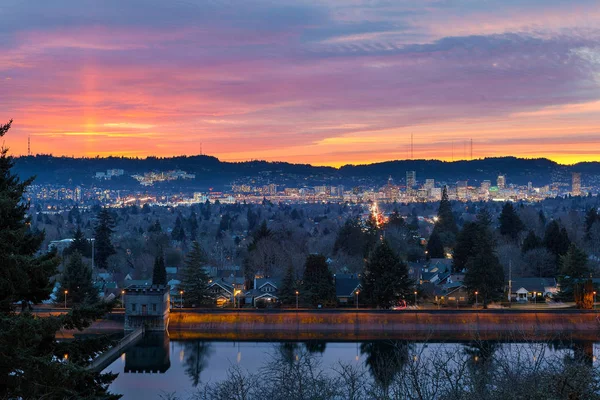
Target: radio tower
[471, 149]
[28, 145]
[201, 149]
[411, 147]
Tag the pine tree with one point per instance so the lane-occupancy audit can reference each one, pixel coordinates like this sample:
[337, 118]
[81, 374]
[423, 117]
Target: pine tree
[532, 241]
[159, 272]
[484, 271]
[510, 222]
[178, 233]
[32, 364]
[317, 282]
[556, 239]
[465, 246]
[289, 285]
[435, 247]
[573, 269]
[79, 244]
[445, 226]
[590, 218]
[385, 279]
[195, 280]
[77, 279]
[103, 232]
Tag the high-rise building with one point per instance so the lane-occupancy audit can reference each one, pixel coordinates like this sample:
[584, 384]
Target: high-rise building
[411, 179]
[501, 183]
[486, 185]
[576, 184]
[429, 184]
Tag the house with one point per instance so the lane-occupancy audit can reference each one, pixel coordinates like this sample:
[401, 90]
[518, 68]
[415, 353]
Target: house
[221, 291]
[346, 286]
[451, 294]
[436, 271]
[265, 289]
[524, 289]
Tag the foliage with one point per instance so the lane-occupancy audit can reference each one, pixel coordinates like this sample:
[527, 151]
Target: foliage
[77, 280]
[484, 272]
[195, 280]
[465, 246]
[159, 271]
[289, 285]
[32, 365]
[317, 282]
[510, 223]
[355, 239]
[178, 233]
[573, 269]
[79, 244]
[435, 247]
[445, 226]
[531, 241]
[556, 239]
[102, 234]
[385, 279]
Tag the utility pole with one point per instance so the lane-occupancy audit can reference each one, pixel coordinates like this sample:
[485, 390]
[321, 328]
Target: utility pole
[510, 281]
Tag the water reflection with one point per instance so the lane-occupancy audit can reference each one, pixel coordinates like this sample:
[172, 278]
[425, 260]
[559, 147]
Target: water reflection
[390, 365]
[150, 355]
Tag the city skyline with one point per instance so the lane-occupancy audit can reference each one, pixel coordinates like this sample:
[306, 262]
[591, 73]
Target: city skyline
[328, 83]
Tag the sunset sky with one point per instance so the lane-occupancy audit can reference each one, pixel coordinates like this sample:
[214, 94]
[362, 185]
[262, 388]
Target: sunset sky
[322, 82]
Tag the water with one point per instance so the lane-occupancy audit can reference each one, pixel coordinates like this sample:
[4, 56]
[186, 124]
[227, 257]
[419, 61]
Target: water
[157, 366]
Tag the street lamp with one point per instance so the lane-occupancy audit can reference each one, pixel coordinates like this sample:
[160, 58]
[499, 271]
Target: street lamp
[476, 293]
[594, 299]
[357, 293]
[181, 297]
[535, 299]
[66, 291]
[297, 293]
[123, 297]
[415, 298]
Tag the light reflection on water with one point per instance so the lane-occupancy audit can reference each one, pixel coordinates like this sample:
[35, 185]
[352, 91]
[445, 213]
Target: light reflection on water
[157, 366]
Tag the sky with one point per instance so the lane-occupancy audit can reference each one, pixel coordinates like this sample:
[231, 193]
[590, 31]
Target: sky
[329, 82]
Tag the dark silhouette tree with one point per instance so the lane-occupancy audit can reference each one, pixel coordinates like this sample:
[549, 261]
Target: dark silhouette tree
[317, 282]
[102, 234]
[445, 226]
[178, 233]
[79, 244]
[556, 240]
[465, 246]
[484, 271]
[385, 279]
[195, 280]
[510, 222]
[159, 272]
[77, 279]
[197, 354]
[574, 268]
[289, 285]
[435, 247]
[531, 242]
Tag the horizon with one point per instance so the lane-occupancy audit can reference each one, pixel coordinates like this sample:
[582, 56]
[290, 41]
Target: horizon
[329, 83]
[297, 163]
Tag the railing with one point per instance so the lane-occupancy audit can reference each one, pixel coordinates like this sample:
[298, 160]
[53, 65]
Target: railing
[106, 358]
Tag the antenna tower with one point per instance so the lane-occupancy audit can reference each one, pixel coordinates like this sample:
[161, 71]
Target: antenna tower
[29, 145]
[471, 149]
[411, 147]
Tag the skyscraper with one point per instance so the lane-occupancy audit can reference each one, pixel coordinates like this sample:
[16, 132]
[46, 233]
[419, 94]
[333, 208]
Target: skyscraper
[576, 184]
[411, 179]
[501, 183]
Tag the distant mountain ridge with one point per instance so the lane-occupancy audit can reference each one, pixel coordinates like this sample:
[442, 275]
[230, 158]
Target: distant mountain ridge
[210, 171]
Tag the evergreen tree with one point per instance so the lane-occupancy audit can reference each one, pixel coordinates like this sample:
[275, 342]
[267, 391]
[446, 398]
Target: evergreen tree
[32, 364]
[77, 279]
[510, 222]
[445, 226]
[155, 228]
[435, 247]
[396, 220]
[532, 241]
[178, 233]
[195, 280]
[574, 269]
[317, 282]
[103, 232]
[556, 239]
[289, 285]
[79, 244]
[354, 240]
[193, 225]
[590, 218]
[385, 279]
[465, 246]
[484, 272]
[159, 272]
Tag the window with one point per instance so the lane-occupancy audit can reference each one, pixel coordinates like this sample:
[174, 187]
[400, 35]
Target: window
[133, 307]
[154, 307]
